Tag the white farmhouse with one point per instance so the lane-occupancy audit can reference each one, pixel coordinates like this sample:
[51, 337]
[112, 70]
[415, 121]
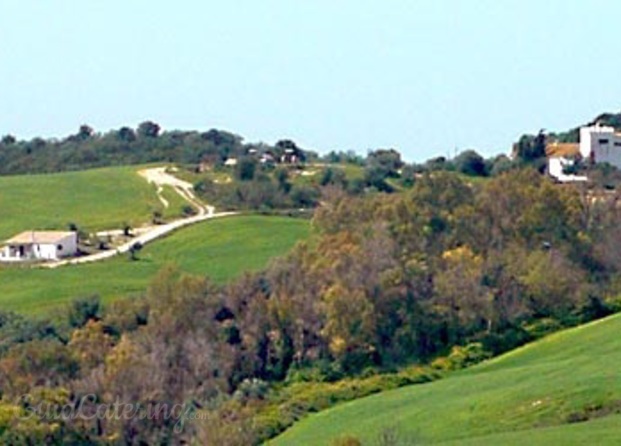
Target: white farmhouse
[39, 245]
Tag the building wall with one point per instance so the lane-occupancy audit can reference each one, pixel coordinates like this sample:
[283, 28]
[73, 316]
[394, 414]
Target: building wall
[47, 252]
[585, 142]
[14, 254]
[600, 144]
[66, 247]
[608, 152]
[5, 253]
[555, 169]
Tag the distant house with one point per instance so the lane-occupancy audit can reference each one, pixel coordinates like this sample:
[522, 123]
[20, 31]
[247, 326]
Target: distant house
[293, 156]
[39, 245]
[598, 144]
[231, 162]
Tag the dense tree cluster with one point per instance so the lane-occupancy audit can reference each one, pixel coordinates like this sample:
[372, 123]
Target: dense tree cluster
[145, 144]
[258, 187]
[387, 281]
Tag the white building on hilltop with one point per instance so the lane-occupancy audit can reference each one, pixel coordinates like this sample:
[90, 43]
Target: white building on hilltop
[600, 144]
[39, 245]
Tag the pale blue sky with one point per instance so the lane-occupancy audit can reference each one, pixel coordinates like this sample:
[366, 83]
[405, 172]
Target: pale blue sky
[425, 77]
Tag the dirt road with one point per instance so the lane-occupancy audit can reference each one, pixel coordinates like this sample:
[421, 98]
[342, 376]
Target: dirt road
[160, 178]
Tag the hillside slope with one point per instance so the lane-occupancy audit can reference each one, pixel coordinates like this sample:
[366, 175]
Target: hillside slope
[93, 199]
[604, 431]
[220, 249]
[528, 396]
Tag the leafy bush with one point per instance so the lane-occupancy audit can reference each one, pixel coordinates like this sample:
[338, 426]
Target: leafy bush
[542, 327]
[462, 357]
[84, 309]
[471, 163]
[322, 371]
[251, 389]
[596, 308]
[510, 338]
[188, 210]
[16, 329]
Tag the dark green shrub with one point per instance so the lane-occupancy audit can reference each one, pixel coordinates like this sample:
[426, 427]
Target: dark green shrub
[542, 327]
[462, 357]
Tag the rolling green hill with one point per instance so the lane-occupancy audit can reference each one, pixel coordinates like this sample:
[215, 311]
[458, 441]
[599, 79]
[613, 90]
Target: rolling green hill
[93, 199]
[564, 389]
[221, 249]
[604, 431]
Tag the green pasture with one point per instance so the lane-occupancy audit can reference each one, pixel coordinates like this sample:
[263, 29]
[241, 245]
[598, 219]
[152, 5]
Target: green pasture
[562, 390]
[220, 248]
[93, 199]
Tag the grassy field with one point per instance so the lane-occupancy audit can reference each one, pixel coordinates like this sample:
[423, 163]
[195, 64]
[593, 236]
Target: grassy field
[175, 203]
[93, 199]
[526, 397]
[221, 249]
[603, 431]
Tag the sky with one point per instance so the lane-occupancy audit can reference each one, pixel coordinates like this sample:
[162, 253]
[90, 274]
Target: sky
[427, 78]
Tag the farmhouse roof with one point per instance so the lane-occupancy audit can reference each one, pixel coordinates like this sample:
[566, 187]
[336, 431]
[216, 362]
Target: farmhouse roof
[558, 149]
[44, 237]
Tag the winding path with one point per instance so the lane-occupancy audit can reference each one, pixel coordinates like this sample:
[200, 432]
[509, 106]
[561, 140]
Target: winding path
[160, 178]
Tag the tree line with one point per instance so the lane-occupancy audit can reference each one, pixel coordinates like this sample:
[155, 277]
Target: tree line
[146, 143]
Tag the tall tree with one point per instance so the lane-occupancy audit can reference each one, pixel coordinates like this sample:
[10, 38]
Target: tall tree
[148, 129]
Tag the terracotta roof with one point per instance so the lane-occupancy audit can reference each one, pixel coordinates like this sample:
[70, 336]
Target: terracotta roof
[557, 149]
[45, 237]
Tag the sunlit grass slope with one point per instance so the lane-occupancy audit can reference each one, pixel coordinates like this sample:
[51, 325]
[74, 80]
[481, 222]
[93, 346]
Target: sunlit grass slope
[92, 199]
[220, 249]
[526, 397]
